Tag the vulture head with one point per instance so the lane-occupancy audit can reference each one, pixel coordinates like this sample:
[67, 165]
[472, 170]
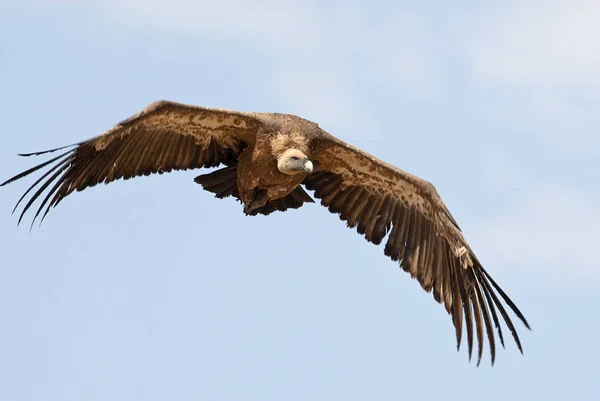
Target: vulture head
[293, 161]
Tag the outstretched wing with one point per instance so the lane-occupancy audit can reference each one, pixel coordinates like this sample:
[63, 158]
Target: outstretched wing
[164, 136]
[380, 199]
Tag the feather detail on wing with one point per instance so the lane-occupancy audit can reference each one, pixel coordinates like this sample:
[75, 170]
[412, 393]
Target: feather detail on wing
[164, 136]
[381, 200]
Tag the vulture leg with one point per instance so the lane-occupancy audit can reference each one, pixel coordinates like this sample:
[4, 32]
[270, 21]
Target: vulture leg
[260, 197]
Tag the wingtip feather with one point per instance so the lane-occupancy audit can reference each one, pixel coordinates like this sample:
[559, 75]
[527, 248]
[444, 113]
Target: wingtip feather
[43, 152]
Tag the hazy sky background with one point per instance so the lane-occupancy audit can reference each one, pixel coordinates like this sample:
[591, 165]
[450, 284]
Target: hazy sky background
[152, 289]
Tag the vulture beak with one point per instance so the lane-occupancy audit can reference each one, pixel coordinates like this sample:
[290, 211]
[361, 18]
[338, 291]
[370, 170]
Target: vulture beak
[308, 166]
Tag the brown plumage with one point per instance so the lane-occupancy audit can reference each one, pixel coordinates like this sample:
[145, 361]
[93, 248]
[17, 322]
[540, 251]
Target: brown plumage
[267, 158]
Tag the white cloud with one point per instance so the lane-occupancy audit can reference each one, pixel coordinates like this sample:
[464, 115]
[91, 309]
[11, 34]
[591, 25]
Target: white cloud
[320, 93]
[323, 81]
[544, 58]
[551, 228]
[267, 23]
[572, 120]
[538, 43]
[516, 42]
[335, 39]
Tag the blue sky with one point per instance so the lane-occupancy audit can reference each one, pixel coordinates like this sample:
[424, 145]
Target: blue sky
[152, 289]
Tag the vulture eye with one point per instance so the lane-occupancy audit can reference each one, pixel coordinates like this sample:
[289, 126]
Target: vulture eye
[294, 158]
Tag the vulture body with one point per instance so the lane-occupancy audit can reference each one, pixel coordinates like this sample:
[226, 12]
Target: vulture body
[267, 157]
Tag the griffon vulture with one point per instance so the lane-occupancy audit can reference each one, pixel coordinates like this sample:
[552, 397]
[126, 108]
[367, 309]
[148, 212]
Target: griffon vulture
[267, 158]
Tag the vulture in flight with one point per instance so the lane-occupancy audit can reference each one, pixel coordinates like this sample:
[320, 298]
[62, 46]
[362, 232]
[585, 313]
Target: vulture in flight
[268, 158]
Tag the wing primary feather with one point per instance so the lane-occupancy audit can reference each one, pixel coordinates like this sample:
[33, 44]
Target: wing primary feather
[469, 324]
[153, 154]
[446, 284]
[330, 190]
[477, 314]
[466, 301]
[313, 180]
[338, 202]
[80, 173]
[170, 146]
[188, 151]
[87, 176]
[508, 301]
[50, 193]
[61, 168]
[383, 218]
[183, 150]
[326, 183]
[486, 318]
[211, 150]
[441, 263]
[33, 169]
[197, 155]
[41, 178]
[410, 229]
[353, 196]
[367, 216]
[133, 154]
[373, 216]
[404, 221]
[416, 256]
[457, 303]
[355, 210]
[149, 141]
[328, 199]
[106, 163]
[394, 248]
[426, 255]
[43, 152]
[121, 160]
[492, 306]
[507, 320]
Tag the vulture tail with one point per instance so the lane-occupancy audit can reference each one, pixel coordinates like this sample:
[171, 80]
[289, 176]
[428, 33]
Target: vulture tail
[222, 182]
[293, 200]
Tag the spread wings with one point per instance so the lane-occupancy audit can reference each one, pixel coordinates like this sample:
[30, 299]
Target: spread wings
[164, 136]
[422, 235]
